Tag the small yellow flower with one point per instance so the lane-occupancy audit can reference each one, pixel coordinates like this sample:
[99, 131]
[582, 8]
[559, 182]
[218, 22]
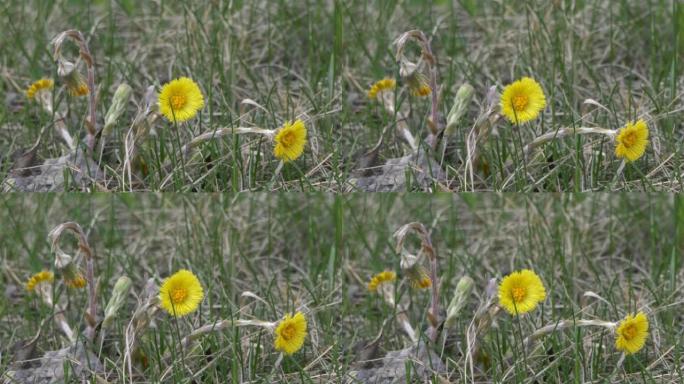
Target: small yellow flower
[39, 85]
[290, 333]
[290, 141]
[180, 99]
[181, 293]
[631, 334]
[522, 100]
[77, 282]
[380, 278]
[632, 140]
[383, 85]
[418, 84]
[38, 278]
[521, 291]
[76, 84]
[418, 277]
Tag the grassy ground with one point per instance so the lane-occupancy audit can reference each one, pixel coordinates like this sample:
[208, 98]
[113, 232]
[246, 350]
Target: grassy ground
[258, 256]
[601, 63]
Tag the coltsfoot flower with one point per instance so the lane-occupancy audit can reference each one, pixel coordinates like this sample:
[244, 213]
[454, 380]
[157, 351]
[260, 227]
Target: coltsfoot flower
[383, 85]
[290, 333]
[181, 293]
[180, 99]
[522, 101]
[38, 86]
[76, 84]
[39, 278]
[381, 278]
[521, 292]
[632, 140]
[418, 84]
[631, 333]
[418, 277]
[77, 281]
[290, 141]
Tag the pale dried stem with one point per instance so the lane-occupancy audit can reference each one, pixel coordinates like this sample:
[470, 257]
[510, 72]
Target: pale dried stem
[429, 251]
[75, 229]
[564, 132]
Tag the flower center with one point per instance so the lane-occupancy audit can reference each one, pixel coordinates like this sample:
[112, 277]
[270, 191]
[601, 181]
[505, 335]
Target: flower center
[288, 332]
[630, 139]
[629, 332]
[178, 295]
[520, 102]
[178, 102]
[288, 139]
[518, 294]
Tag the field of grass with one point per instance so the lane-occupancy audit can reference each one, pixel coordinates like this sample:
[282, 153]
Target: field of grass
[261, 256]
[261, 63]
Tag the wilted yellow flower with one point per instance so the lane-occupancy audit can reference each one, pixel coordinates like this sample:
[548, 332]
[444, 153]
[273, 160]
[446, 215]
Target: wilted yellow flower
[418, 277]
[383, 85]
[290, 333]
[40, 277]
[380, 278]
[77, 281]
[522, 100]
[290, 141]
[181, 293]
[631, 334]
[418, 84]
[180, 99]
[39, 85]
[632, 140]
[521, 291]
[76, 84]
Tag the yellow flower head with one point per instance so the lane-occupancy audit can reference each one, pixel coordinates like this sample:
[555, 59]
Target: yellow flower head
[76, 84]
[631, 334]
[181, 293]
[38, 278]
[632, 140]
[77, 281]
[418, 84]
[180, 99]
[383, 85]
[418, 277]
[290, 333]
[380, 278]
[39, 85]
[522, 101]
[521, 291]
[290, 141]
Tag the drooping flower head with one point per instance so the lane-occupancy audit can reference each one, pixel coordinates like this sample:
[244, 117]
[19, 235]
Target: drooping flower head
[39, 278]
[521, 292]
[632, 140]
[522, 100]
[380, 86]
[381, 278]
[631, 333]
[180, 99]
[78, 281]
[39, 86]
[417, 275]
[290, 333]
[76, 84]
[290, 141]
[418, 84]
[181, 293]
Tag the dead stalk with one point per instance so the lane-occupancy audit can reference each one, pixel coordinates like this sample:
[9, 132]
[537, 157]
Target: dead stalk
[84, 247]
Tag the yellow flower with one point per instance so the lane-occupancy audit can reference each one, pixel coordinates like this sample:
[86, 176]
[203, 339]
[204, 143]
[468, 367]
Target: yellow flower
[180, 99]
[418, 277]
[76, 282]
[521, 291]
[380, 278]
[522, 101]
[631, 334]
[290, 141]
[418, 84]
[383, 85]
[290, 333]
[76, 84]
[181, 293]
[39, 85]
[40, 277]
[632, 140]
